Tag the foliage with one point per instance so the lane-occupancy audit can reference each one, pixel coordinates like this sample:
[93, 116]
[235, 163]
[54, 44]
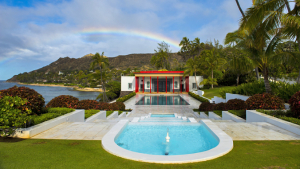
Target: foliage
[295, 104]
[88, 104]
[124, 98]
[161, 59]
[120, 105]
[280, 89]
[103, 105]
[218, 112]
[11, 117]
[264, 101]
[89, 113]
[240, 113]
[201, 99]
[236, 104]
[109, 112]
[115, 106]
[206, 106]
[192, 66]
[114, 87]
[284, 115]
[63, 101]
[221, 106]
[52, 113]
[35, 101]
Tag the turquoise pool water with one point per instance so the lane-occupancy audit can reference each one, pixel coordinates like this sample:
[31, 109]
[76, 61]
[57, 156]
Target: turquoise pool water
[150, 139]
[162, 100]
[162, 115]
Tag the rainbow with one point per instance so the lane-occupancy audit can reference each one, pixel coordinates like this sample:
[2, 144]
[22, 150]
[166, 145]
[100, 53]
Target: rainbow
[137, 33]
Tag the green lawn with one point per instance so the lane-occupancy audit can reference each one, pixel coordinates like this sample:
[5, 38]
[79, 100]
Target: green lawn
[210, 93]
[75, 154]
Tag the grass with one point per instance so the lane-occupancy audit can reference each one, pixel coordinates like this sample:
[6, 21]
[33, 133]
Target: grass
[33, 153]
[218, 112]
[89, 113]
[210, 93]
[240, 113]
[120, 112]
[284, 115]
[109, 112]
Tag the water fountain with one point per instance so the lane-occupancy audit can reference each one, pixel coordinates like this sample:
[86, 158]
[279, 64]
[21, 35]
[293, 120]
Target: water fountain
[167, 143]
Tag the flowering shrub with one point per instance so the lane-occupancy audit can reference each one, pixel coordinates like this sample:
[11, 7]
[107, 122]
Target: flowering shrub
[220, 106]
[264, 101]
[206, 106]
[295, 104]
[63, 101]
[88, 104]
[103, 106]
[10, 116]
[35, 101]
[236, 104]
[120, 105]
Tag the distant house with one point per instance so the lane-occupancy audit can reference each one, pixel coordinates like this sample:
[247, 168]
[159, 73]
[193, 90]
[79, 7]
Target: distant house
[60, 73]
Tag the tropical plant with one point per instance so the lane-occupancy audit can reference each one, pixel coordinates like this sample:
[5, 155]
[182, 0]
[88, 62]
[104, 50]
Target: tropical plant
[102, 62]
[236, 104]
[88, 104]
[264, 101]
[211, 58]
[63, 101]
[161, 58]
[206, 106]
[192, 66]
[295, 104]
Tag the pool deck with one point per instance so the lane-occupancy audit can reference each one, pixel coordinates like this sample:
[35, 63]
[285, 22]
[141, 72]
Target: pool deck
[97, 129]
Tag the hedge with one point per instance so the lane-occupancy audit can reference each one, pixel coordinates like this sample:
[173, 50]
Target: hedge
[281, 115]
[201, 99]
[124, 98]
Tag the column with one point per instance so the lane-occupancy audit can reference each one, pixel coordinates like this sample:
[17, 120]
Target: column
[150, 84]
[187, 84]
[173, 85]
[136, 84]
[166, 85]
[180, 84]
[143, 84]
[157, 85]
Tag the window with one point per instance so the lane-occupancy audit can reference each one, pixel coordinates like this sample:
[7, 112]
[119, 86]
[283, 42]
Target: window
[129, 85]
[176, 84]
[194, 86]
[148, 84]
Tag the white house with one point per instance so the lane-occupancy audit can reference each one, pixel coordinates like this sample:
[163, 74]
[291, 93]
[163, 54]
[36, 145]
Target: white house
[159, 81]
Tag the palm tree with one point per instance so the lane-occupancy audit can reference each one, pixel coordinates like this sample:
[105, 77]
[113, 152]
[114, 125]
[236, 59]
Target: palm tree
[186, 47]
[192, 67]
[102, 62]
[211, 58]
[238, 4]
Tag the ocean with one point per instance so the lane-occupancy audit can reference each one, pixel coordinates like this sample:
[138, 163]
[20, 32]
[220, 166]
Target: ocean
[49, 92]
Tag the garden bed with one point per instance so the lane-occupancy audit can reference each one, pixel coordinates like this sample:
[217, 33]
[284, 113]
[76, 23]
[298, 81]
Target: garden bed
[89, 113]
[281, 114]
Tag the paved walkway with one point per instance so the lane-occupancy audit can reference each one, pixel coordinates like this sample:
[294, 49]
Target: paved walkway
[97, 129]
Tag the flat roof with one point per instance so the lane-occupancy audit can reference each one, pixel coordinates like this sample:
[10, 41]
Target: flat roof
[158, 72]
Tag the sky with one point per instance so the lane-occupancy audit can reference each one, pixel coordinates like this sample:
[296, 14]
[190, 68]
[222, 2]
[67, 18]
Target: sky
[35, 33]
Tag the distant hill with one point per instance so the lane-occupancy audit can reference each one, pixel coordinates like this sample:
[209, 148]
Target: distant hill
[83, 63]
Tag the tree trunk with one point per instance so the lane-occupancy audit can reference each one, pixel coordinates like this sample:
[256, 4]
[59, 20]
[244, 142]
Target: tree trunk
[266, 80]
[237, 79]
[212, 78]
[298, 40]
[257, 74]
[238, 4]
[196, 81]
[287, 5]
[103, 88]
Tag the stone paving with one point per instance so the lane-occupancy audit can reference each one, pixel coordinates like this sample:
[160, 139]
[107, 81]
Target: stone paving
[97, 129]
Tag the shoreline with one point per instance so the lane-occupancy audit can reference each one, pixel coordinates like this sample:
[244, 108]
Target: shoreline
[87, 89]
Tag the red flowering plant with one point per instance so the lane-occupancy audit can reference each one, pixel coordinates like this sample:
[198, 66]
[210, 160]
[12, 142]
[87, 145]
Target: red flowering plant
[206, 106]
[264, 101]
[64, 101]
[221, 106]
[103, 105]
[295, 104]
[35, 101]
[236, 104]
[88, 104]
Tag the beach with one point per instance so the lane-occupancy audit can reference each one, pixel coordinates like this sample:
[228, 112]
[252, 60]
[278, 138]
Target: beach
[87, 89]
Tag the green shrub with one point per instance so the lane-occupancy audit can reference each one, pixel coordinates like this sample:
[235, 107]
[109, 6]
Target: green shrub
[295, 104]
[88, 104]
[35, 101]
[63, 101]
[206, 106]
[89, 113]
[240, 113]
[52, 113]
[264, 101]
[124, 98]
[201, 99]
[220, 106]
[280, 89]
[10, 116]
[236, 104]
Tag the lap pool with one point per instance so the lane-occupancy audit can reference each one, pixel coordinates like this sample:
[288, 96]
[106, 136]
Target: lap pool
[162, 100]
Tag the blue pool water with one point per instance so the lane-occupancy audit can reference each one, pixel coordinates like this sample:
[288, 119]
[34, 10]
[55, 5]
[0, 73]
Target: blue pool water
[150, 139]
[162, 115]
[162, 100]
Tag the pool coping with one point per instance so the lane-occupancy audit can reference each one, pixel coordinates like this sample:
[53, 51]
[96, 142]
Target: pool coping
[225, 145]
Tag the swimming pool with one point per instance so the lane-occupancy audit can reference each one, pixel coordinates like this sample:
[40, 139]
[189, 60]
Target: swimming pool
[151, 139]
[162, 100]
[162, 115]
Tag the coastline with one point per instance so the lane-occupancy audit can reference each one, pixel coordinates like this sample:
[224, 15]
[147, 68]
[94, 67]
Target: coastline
[87, 89]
